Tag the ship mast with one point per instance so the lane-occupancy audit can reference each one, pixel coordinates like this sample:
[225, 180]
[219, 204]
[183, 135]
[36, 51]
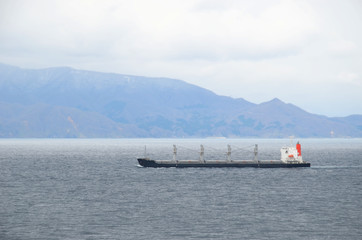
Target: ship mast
[229, 153]
[175, 153]
[202, 153]
[256, 153]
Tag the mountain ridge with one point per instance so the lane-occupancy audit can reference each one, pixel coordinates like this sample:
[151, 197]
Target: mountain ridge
[66, 102]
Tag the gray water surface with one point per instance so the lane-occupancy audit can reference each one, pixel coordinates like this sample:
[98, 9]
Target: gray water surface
[94, 189]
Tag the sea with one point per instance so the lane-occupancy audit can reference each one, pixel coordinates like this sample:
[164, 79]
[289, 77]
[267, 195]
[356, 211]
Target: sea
[95, 189]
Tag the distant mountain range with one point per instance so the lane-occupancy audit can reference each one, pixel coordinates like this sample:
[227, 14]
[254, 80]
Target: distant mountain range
[67, 103]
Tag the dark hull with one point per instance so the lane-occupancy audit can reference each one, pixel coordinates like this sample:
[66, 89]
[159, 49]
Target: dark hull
[151, 163]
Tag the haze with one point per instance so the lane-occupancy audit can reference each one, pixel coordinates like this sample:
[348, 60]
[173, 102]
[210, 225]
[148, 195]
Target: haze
[308, 53]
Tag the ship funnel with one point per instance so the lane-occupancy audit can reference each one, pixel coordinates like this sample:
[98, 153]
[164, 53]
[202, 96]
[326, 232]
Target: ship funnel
[299, 149]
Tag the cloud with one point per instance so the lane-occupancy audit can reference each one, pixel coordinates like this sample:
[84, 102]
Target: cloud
[162, 29]
[227, 33]
[342, 48]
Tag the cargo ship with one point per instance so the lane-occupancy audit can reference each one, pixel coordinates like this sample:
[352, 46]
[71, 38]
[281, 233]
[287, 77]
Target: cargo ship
[290, 157]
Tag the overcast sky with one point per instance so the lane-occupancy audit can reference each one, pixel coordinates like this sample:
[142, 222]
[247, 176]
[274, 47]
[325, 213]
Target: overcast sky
[308, 53]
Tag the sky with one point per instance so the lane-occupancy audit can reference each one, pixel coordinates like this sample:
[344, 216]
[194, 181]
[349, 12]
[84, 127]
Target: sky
[304, 52]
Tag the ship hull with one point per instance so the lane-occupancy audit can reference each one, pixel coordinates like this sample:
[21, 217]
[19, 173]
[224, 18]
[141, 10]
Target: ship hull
[219, 164]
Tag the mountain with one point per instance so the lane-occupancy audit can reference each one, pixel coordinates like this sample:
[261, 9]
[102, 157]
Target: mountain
[65, 102]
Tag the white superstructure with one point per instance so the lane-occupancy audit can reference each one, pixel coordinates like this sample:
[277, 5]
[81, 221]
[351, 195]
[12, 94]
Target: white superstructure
[291, 154]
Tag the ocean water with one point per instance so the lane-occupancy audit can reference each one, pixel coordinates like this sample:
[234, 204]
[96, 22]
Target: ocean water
[94, 189]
